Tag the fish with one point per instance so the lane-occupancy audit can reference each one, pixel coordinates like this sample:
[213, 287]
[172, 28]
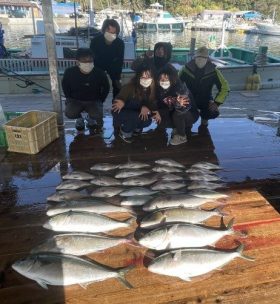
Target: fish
[139, 181]
[104, 167]
[72, 185]
[95, 206]
[133, 165]
[135, 191]
[169, 163]
[105, 181]
[203, 185]
[78, 175]
[135, 200]
[79, 243]
[203, 177]
[65, 195]
[188, 263]
[200, 171]
[125, 173]
[166, 169]
[166, 185]
[185, 235]
[170, 177]
[206, 166]
[207, 193]
[63, 270]
[176, 200]
[106, 191]
[78, 221]
[178, 214]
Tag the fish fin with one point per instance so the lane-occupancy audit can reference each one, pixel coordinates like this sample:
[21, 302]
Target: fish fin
[239, 249]
[184, 277]
[230, 224]
[42, 284]
[84, 285]
[163, 220]
[121, 276]
[177, 255]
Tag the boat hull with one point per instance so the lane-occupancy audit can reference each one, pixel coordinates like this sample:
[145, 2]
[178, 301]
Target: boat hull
[268, 29]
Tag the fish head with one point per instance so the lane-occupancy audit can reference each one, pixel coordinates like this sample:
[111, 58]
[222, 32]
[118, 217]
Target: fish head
[153, 219]
[24, 265]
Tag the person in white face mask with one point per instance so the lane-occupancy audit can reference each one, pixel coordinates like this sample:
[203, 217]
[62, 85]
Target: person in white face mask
[201, 75]
[85, 88]
[108, 51]
[135, 107]
[175, 105]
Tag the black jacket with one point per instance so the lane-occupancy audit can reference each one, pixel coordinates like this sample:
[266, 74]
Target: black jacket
[85, 87]
[109, 58]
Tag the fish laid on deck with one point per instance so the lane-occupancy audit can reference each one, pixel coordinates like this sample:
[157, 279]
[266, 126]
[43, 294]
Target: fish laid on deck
[106, 191]
[104, 167]
[72, 185]
[65, 195]
[125, 173]
[105, 181]
[78, 175]
[169, 163]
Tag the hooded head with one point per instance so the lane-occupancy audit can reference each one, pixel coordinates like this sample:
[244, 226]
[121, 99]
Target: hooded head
[201, 57]
[162, 53]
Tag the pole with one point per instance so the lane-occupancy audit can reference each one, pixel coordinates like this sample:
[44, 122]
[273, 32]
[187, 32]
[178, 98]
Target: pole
[33, 19]
[76, 26]
[91, 14]
[51, 50]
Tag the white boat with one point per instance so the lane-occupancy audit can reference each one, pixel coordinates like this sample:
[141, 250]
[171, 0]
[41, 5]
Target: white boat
[155, 19]
[268, 28]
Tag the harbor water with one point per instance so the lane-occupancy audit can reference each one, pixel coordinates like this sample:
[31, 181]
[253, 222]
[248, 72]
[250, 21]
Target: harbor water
[14, 38]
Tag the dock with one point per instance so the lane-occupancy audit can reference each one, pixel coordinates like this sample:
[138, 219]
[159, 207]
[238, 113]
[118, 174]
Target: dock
[244, 141]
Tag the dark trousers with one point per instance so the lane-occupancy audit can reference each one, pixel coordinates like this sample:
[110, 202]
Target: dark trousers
[129, 120]
[183, 121]
[74, 108]
[116, 86]
[206, 113]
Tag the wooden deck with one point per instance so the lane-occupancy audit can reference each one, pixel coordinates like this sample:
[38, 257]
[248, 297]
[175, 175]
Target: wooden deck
[250, 157]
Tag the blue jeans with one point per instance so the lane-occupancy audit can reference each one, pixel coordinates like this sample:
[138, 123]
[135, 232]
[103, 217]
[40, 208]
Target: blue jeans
[129, 120]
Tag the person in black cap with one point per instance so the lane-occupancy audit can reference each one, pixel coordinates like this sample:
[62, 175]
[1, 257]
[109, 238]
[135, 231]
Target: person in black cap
[85, 88]
[108, 51]
[200, 76]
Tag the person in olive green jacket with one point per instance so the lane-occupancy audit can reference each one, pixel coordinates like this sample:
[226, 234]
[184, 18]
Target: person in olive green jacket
[200, 76]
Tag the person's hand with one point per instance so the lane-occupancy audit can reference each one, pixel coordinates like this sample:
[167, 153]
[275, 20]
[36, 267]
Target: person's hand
[183, 100]
[213, 107]
[144, 114]
[117, 105]
[156, 117]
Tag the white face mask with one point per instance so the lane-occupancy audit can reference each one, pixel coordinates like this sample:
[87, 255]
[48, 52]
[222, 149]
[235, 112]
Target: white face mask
[146, 82]
[164, 84]
[200, 62]
[86, 67]
[110, 37]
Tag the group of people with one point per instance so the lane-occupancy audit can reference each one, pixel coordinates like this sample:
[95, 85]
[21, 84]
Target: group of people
[157, 92]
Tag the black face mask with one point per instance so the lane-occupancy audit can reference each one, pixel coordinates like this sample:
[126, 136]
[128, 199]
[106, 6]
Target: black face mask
[160, 61]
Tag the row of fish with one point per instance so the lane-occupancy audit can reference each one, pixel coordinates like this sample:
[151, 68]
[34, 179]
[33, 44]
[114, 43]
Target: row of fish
[176, 218]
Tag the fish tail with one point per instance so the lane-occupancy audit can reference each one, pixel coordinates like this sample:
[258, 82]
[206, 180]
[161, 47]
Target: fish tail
[230, 225]
[132, 241]
[121, 276]
[243, 256]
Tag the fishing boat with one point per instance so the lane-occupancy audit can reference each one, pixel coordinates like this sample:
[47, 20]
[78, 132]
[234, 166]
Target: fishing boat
[268, 28]
[155, 19]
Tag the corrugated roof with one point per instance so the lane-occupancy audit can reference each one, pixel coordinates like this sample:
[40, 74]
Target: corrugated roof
[15, 3]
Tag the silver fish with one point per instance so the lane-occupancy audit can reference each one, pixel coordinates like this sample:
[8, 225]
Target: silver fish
[170, 177]
[203, 177]
[72, 185]
[78, 175]
[79, 243]
[178, 214]
[176, 200]
[96, 206]
[76, 221]
[206, 166]
[65, 195]
[166, 185]
[207, 193]
[166, 169]
[105, 181]
[104, 167]
[62, 270]
[135, 200]
[135, 191]
[139, 181]
[106, 191]
[133, 165]
[131, 173]
[184, 235]
[204, 185]
[200, 171]
[188, 263]
[169, 162]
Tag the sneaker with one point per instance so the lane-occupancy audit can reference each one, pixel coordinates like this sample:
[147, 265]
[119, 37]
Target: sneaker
[80, 124]
[174, 132]
[126, 139]
[204, 122]
[178, 140]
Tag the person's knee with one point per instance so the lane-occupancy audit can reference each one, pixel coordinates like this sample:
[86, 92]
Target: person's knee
[72, 114]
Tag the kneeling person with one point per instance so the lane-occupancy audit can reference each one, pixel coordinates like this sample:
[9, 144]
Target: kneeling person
[85, 88]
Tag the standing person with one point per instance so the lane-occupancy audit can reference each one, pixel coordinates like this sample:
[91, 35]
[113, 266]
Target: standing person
[85, 88]
[175, 105]
[200, 76]
[108, 51]
[135, 106]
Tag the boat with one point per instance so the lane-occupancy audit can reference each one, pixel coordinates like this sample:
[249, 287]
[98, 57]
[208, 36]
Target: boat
[155, 19]
[268, 28]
